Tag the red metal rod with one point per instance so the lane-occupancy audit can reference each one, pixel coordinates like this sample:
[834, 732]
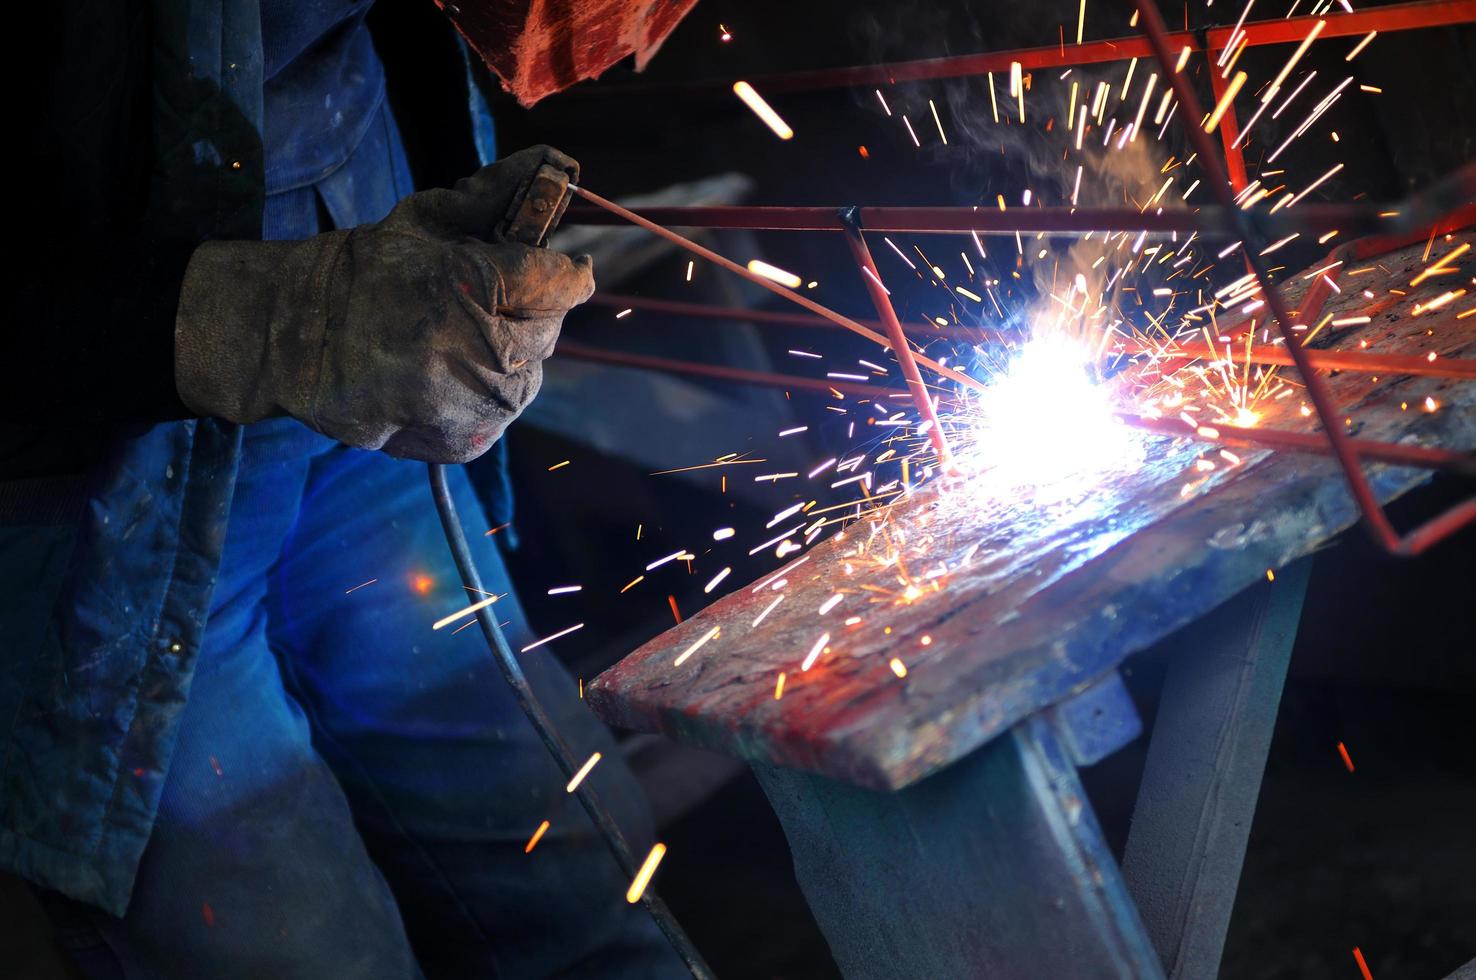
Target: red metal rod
[871, 276]
[653, 304]
[1378, 522]
[1395, 17]
[768, 284]
[1347, 219]
[989, 221]
[1364, 362]
[720, 372]
[1394, 453]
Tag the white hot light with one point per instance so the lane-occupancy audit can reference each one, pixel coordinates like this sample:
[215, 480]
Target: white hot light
[1044, 421]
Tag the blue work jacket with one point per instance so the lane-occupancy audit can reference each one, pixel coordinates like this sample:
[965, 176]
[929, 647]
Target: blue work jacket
[110, 536]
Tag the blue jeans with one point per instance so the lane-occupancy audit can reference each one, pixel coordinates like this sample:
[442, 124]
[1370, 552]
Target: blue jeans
[351, 792]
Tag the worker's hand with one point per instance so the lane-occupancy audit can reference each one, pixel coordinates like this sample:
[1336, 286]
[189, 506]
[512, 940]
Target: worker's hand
[422, 334]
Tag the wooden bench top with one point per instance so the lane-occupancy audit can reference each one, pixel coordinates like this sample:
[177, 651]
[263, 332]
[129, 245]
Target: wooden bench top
[1018, 603]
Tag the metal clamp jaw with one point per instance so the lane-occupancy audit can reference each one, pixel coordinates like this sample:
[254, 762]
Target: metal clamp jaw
[536, 210]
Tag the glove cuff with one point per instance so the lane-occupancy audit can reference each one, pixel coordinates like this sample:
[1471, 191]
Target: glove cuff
[249, 332]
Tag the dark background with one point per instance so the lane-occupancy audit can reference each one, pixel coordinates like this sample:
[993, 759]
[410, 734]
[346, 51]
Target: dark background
[1383, 858]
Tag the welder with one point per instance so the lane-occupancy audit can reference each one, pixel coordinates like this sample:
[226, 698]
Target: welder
[230, 743]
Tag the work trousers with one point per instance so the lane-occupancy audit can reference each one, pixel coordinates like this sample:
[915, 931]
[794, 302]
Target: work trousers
[352, 791]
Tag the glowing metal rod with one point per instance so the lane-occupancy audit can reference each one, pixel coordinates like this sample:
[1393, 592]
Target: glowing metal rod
[898, 339]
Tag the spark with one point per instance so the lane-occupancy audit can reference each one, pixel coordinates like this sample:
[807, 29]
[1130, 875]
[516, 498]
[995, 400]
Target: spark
[1347, 759]
[1224, 104]
[775, 540]
[1291, 62]
[937, 122]
[662, 561]
[774, 273]
[908, 123]
[898, 667]
[698, 645]
[469, 610]
[767, 609]
[716, 579]
[537, 836]
[762, 109]
[1361, 45]
[643, 876]
[814, 653]
[360, 586]
[578, 777]
[550, 639]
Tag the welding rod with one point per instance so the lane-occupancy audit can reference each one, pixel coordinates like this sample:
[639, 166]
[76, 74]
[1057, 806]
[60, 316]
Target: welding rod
[770, 285]
[880, 299]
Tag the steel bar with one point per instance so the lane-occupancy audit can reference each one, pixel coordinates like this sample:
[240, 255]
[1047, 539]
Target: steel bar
[706, 311]
[1393, 453]
[1378, 522]
[1337, 360]
[871, 277]
[720, 372]
[1210, 222]
[768, 284]
[1287, 30]
[1364, 362]
[512, 672]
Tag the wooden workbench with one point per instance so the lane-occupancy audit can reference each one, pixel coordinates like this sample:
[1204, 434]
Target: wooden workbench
[937, 822]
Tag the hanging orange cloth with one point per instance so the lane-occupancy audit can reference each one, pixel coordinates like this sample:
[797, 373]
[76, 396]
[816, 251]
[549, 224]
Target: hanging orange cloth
[539, 47]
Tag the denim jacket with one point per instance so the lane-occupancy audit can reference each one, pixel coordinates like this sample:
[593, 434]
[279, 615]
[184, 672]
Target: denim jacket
[110, 542]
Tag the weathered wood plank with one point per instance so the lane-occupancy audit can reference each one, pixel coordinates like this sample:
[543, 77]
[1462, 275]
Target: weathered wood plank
[1038, 598]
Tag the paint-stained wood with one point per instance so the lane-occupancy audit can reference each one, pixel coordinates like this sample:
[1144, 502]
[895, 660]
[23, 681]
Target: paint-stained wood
[1035, 597]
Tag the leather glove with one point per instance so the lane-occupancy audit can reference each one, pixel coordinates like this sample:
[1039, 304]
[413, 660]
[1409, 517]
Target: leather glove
[422, 335]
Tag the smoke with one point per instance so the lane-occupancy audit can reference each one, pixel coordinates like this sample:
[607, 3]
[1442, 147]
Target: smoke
[1076, 285]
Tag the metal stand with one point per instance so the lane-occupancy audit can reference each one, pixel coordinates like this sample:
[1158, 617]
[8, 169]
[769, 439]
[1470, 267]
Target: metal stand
[1203, 771]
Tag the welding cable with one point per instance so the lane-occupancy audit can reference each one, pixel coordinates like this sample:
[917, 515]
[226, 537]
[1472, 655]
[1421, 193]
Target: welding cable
[512, 672]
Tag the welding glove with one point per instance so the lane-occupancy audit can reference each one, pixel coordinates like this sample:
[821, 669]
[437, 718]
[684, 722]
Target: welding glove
[422, 335]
